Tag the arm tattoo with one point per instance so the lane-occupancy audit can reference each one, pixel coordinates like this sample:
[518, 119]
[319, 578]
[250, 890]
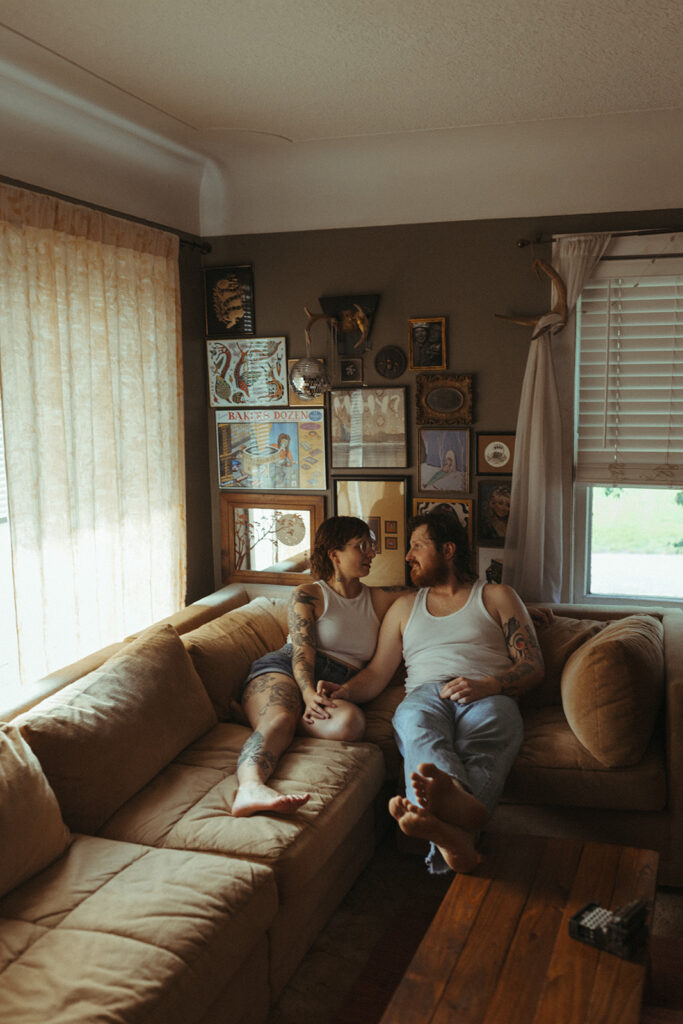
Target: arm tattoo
[524, 652]
[304, 639]
[254, 753]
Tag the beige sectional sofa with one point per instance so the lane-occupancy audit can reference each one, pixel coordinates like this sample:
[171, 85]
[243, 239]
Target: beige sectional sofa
[130, 894]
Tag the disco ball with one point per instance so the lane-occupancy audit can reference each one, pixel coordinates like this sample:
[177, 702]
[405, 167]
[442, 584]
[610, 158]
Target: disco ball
[309, 378]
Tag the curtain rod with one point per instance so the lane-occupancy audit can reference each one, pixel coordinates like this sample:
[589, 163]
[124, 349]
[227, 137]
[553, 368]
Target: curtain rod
[522, 243]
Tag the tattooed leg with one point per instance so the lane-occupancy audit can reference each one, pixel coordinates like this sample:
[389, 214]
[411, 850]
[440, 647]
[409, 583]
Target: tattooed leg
[273, 705]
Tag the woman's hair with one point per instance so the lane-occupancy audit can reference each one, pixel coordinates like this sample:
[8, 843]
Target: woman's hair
[443, 525]
[332, 535]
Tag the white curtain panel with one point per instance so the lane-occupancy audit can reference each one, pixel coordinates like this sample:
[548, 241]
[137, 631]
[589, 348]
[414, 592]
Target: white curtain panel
[532, 559]
[91, 377]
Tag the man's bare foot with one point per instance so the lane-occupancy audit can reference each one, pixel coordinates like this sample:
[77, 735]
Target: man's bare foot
[443, 796]
[456, 845]
[252, 797]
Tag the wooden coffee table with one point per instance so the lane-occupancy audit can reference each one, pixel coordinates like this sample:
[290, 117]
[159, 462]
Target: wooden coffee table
[499, 951]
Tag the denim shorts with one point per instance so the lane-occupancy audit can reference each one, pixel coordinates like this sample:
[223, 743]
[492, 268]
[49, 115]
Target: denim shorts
[325, 667]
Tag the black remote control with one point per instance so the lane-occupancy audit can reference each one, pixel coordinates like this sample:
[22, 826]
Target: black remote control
[622, 931]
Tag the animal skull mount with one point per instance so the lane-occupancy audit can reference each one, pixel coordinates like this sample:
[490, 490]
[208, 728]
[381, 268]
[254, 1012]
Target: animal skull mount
[556, 319]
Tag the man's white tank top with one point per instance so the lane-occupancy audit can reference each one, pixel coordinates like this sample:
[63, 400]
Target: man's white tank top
[440, 647]
[348, 626]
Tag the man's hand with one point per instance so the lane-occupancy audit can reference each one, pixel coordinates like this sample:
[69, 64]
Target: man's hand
[465, 691]
[330, 690]
[316, 705]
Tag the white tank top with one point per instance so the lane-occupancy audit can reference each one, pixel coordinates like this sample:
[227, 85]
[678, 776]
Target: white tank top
[440, 647]
[348, 626]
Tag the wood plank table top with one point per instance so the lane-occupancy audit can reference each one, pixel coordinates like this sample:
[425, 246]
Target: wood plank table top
[499, 951]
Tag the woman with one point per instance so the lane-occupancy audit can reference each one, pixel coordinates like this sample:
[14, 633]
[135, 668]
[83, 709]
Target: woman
[333, 626]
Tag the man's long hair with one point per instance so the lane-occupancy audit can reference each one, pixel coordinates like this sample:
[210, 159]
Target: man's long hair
[443, 526]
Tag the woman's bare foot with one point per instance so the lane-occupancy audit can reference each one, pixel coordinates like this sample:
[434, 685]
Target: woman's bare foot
[252, 797]
[444, 797]
[455, 845]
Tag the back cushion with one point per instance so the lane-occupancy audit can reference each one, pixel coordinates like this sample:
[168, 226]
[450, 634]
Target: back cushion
[612, 688]
[32, 833]
[102, 738]
[558, 640]
[222, 650]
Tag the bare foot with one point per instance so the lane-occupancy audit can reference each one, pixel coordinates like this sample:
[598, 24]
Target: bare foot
[444, 797]
[456, 845]
[252, 797]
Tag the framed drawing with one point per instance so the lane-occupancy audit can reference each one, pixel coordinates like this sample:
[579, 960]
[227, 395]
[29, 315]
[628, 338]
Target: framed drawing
[229, 301]
[271, 449]
[379, 501]
[268, 537]
[427, 343]
[444, 459]
[495, 452]
[307, 403]
[493, 510]
[444, 398]
[461, 506]
[247, 371]
[351, 371]
[368, 428]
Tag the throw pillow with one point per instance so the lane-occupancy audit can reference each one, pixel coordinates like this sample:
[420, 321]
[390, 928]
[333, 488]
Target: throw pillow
[558, 639]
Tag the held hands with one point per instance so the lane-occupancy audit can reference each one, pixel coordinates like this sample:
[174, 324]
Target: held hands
[465, 691]
[316, 703]
[328, 689]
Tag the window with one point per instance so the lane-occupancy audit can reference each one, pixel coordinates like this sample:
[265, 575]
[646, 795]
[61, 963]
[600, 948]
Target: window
[629, 424]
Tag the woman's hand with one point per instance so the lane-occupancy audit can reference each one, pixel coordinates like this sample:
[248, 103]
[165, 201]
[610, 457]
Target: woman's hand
[316, 705]
[328, 689]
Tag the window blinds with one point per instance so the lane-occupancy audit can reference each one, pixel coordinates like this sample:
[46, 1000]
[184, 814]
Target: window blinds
[630, 375]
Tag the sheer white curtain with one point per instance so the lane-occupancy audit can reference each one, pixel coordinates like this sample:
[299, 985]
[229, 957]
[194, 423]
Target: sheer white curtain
[532, 560]
[91, 377]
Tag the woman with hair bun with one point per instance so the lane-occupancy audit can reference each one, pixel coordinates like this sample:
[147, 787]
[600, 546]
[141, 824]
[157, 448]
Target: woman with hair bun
[333, 627]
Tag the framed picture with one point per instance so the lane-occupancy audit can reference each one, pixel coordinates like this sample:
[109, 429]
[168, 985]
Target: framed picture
[461, 506]
[229, 301]
[495, 452]
[444, 398]
[268, 537]
[427, 343]
[368, 428]
[271, 449]
[378, 501]
[247, 371]
[351, 371]
[444, 459]
[306, 403]
[493, 510]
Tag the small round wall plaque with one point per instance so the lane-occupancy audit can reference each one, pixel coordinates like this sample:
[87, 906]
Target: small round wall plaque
[390, 361]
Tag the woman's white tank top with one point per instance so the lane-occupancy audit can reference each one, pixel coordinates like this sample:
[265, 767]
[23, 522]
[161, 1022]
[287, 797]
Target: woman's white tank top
[348, 626]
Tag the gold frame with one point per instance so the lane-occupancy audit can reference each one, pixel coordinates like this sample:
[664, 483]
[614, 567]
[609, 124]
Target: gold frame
[230, 501]
[427, 384]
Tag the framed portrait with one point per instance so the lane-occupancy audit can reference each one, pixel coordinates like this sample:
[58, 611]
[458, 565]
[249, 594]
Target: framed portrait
[379, 501]
[247, 371]
[444, 459]
[495, 452]
[427, 343]
[368, 428]
[493, 511]
[271, 449]
[461, 506]
[229, 301]
[307, 403]
[444, 398]
[268, 537]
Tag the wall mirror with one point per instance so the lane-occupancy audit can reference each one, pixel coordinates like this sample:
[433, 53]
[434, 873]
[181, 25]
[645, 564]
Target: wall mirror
[267, 538]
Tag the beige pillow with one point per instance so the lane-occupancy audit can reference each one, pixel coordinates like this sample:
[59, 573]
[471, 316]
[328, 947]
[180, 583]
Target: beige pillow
[102, 738]
[32, 833]
[558, 639]
[222, 650]
[612, 688]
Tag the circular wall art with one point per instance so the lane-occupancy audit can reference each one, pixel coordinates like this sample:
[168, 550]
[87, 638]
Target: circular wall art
[391, 361]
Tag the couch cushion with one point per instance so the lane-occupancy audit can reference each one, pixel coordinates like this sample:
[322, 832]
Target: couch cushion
[102, 738]
[222, 650]
[121, 933]
[612, 689]
[32, 833]
[558, 639]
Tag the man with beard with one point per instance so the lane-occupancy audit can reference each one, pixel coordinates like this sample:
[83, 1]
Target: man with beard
[470, 650]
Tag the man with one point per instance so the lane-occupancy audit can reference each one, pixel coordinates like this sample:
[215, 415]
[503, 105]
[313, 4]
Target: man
[470, 650]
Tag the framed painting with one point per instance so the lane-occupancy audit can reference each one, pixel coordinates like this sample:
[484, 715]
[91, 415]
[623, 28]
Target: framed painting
[444, 398]
[229, 301]
[427, 343]
[379, 503]
[444, 459]
[267, 538]
[271, 449]
[493, 511]
[368, 428]
[495, 453]
[351, 371]
[461, 506]
[247, 371]
[306, 403]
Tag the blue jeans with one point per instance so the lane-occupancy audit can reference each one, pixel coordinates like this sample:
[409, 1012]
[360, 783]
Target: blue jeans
[474, 743]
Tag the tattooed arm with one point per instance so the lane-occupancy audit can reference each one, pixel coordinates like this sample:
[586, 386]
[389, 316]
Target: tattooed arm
[305, 605]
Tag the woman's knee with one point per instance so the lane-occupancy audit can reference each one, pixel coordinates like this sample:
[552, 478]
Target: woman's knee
[347, 722]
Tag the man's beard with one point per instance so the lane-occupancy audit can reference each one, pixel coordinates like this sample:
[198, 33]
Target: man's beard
[432, 576]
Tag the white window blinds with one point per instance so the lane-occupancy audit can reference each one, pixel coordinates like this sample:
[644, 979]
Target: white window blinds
[630, 371]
